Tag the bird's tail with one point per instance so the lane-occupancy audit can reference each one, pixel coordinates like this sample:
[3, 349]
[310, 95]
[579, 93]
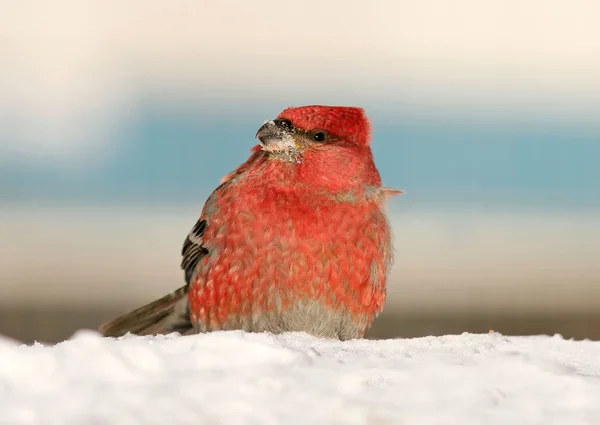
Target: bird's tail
[167, 314]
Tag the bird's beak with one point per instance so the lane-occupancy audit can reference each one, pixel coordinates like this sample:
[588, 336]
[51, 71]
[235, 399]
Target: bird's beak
[276, 135]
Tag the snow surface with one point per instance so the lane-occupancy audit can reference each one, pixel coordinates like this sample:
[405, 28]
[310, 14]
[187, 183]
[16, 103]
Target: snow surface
[241, 378]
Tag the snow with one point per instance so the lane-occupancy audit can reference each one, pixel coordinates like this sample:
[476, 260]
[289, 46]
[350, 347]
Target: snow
[242, 378]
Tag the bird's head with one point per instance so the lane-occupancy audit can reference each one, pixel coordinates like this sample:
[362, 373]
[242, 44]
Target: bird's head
[298, 130]
[328, 145]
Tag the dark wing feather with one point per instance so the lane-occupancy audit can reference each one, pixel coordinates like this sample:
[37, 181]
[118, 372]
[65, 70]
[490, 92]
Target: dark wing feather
[193, 250]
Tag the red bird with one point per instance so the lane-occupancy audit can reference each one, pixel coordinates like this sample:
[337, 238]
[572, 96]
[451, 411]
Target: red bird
[295, 239]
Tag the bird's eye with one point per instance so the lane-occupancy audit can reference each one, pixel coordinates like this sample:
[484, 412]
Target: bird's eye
[319, 136]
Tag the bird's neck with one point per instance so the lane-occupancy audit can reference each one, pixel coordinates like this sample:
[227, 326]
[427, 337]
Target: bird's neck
[341, 181]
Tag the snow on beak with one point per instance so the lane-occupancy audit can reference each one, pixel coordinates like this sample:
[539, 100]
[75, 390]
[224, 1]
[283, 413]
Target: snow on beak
[277, 135]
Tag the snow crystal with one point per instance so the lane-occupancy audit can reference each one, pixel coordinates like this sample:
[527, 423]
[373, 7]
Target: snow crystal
[242, 378]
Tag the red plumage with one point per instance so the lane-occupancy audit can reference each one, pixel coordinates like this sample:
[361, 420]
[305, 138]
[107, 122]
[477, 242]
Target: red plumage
[296, 239]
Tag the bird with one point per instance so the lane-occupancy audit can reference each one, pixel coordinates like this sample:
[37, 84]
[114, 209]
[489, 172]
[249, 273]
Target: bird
[296, 239]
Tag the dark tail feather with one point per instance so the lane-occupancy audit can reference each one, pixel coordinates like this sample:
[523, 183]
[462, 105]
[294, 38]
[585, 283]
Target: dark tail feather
[167, 314]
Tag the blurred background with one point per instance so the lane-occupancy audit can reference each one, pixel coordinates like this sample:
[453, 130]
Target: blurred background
[117, 120]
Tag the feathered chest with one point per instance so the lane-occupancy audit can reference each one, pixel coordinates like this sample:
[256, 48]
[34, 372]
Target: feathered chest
[288, 218]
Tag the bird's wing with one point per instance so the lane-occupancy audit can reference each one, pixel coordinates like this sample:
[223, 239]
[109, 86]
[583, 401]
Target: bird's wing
[193, 250]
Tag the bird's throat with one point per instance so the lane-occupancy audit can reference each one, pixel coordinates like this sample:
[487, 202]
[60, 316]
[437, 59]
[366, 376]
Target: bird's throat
[290, 154]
